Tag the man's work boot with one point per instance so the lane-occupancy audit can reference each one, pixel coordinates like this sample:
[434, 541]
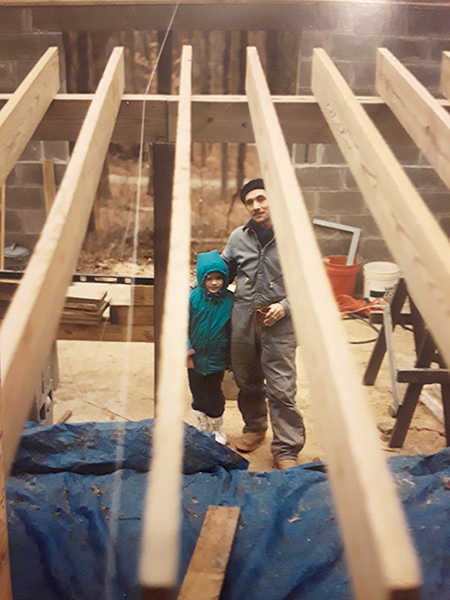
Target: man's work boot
[250, 441]
[285, 463]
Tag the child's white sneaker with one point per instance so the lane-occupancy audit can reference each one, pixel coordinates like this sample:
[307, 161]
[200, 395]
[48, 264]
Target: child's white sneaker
[201, 420]
[217, 427]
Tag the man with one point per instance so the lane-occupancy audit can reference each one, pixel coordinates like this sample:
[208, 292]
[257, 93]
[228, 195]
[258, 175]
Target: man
[262, 339]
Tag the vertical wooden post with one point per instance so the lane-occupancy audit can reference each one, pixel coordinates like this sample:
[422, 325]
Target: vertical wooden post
[48, 173]
[2, 229]
[163, 166]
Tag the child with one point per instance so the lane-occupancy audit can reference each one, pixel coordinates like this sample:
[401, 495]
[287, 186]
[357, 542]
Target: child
[209, 342]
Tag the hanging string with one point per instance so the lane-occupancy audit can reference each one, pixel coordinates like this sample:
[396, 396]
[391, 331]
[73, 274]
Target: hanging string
[117, 486]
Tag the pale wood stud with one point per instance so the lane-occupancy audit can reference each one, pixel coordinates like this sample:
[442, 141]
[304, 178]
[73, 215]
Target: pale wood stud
[380, 555]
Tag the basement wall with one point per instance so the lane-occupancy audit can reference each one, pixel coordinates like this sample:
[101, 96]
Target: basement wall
[349, 32]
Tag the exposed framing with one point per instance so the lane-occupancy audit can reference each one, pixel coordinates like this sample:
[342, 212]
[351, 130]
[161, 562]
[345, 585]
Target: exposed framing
[30, 325]
[379, 569]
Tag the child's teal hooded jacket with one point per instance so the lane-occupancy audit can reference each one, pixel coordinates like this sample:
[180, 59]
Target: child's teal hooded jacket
[210, 318]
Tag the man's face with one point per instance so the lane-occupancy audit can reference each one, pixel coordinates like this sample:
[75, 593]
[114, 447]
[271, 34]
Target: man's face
[258, 208]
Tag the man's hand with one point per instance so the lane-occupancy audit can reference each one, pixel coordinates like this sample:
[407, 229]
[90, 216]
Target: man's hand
[274, 314]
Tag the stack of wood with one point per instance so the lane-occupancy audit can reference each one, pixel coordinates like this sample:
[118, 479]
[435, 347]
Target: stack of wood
[85, 304]
[141, 296]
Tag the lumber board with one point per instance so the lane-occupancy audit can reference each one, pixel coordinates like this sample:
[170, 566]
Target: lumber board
[206, 571]
[380, 554]
[445, 75]
[25, 108]
[48, 175]
[2, 228]
[160, 540]
[31, 323]
[421, 115]
[215, 118]
[412, 234]
[142, 315]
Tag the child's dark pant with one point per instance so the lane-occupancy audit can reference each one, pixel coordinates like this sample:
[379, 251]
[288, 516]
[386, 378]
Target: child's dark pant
[207, 393]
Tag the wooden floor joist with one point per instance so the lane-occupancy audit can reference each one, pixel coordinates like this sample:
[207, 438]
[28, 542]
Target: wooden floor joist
[380, 554]
[161, 532]
[20, 116]
[412, 234]
[30, 326]
[417, 110]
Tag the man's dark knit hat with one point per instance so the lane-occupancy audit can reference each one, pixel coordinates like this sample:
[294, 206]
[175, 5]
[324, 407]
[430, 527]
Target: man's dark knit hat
[253, 184]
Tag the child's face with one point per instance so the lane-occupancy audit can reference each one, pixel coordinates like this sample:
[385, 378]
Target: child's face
[214, 282]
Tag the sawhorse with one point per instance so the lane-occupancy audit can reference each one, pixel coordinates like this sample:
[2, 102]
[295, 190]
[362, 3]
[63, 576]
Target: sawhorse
[417, 377]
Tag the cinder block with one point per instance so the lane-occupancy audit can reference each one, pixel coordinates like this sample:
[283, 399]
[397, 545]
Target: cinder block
[7, 76]
[409, 49]
[32, 152]
[437, 202]
[31, 173]
[425, 178]
[365, 222]
[15, 45]
[11, 20]
[320, 178]
[438, 46]
[33, 221]
[354, 47]
[25, 197]
[444, 222]
[331, 155]
[381, 19]
[13, 221]
[60, 169]
[362, 78]
[58, 151]
[372, 249]
[14, 176]
[340, 203]
[406, 154]
[315, 39]
[423, 21]
[428, 75]
[310, 198]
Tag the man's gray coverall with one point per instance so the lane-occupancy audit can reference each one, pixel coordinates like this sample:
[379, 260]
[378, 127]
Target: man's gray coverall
[263, 358]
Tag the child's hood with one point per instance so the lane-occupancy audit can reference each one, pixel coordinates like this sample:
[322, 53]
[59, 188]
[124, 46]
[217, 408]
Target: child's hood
[208, 262]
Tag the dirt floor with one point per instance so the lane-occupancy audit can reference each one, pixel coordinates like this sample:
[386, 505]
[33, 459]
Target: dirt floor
[113, 381]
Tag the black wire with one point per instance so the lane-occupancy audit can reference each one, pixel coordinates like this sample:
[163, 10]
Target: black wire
[368, 323]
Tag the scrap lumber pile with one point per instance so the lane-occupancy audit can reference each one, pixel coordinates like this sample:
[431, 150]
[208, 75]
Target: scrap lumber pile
[85, 304]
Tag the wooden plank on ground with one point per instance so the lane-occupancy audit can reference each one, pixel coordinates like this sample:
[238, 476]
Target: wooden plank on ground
[206, 571]
[445, 75]
[161, 533]
[31, 323]
[416, 241]
[22, 113]
[421, 115]
[380, 555]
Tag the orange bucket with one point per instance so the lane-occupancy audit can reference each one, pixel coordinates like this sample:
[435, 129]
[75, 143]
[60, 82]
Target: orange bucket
[342, 276]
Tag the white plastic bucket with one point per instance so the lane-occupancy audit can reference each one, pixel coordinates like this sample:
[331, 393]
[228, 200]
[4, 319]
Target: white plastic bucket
[380, 278]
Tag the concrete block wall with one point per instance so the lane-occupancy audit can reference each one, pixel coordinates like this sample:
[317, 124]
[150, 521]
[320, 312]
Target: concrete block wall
[25, 207]
[350, 34]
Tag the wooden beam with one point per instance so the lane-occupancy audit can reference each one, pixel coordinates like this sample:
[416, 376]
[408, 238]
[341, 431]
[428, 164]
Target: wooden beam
[214, 119]
[161, 533]
[421, 115]
[417, 243]
[48, 174]
[104, 332]
[31, 323]
[445, 75]
[25, 108]
[381, 558]
[2, 228]
[206, 571]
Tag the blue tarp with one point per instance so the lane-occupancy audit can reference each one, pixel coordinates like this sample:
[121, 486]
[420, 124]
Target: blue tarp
[71, 539]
